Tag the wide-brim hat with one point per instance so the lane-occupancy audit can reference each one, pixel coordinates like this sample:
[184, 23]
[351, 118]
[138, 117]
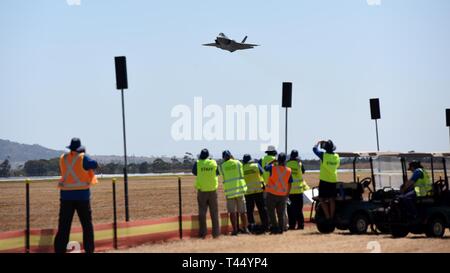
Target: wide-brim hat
[75, 145]
[271, 148]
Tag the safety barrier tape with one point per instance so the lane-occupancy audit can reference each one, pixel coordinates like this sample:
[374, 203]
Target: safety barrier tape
[129, 233]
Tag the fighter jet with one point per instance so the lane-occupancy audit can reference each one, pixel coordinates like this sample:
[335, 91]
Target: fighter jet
[225, 43]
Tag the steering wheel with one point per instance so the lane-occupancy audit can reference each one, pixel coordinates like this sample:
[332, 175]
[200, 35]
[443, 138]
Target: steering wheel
[365, 183]
[440, 184]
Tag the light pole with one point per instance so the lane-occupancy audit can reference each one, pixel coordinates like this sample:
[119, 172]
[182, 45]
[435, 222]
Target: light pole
[286, 102]
[447, 114]
[375, 114]
[121, 84]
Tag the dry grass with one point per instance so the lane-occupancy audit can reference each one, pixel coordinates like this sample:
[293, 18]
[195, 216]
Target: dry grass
[308, 240]
[149, 198]
[156, 197]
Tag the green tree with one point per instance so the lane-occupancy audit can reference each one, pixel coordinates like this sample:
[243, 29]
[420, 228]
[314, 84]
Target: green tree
[5, 168]
[144, 167]
[159, 166]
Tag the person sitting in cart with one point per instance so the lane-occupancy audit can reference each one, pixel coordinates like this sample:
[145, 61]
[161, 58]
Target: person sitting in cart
[419, 185]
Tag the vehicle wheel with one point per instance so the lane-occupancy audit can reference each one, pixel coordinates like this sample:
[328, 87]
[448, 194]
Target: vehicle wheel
[359, 224]
[435, 228]
[325, 226]
[399, 231]
[383, 228]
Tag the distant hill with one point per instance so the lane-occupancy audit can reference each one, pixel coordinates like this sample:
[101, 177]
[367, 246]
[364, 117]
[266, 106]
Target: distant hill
[19, 153]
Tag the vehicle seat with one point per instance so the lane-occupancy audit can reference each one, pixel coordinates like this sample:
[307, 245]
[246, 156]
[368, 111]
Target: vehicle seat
[348, 191]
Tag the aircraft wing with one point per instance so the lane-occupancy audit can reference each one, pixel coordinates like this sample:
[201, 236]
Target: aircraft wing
[244, 46]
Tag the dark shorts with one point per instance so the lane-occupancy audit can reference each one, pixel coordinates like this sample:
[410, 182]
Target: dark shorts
[327, 189]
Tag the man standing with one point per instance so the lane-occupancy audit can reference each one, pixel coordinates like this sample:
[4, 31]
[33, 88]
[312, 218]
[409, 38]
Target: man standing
[235, 188]
[254, 195]
[277, 189]
[206, 184]
[329, 164]
[269, 157]
[295, 209]
[77, 176]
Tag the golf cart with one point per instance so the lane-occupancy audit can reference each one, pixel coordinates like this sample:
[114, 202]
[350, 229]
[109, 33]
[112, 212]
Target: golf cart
[432, 214]
[353, 205]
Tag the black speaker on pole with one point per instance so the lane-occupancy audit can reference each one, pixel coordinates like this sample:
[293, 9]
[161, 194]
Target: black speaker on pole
[447, 113]
[121, 72]
[375, 108]
[287, 95]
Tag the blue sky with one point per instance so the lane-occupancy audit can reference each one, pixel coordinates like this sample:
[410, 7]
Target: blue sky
[58, 81]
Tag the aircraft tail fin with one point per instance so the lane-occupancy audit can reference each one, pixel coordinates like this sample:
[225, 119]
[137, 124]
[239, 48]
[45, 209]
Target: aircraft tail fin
[243, 41]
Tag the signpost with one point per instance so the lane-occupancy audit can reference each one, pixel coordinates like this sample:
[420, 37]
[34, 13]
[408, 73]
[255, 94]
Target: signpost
[121, 84]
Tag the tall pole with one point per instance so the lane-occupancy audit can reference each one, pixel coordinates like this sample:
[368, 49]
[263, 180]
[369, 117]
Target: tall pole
[114, 214]
[286, 102]
[376, 115]
[27, 224]
[286, 133]
[376, 128]
[125, 174]
[447, 117]
[121, 84]
[180, 212]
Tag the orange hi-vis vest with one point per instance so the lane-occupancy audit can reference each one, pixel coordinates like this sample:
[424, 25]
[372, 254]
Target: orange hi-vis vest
[278, 183]
[73, 176]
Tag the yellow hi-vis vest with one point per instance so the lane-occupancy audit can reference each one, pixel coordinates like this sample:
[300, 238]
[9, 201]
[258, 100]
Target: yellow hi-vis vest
[328, 167]
[298, 185]
[73, 175]
[264, 162]
[206, 179]
[233, 178]
[253, 178]
[423, 186]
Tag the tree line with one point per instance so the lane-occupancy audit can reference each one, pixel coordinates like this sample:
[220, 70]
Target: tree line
[50, 167]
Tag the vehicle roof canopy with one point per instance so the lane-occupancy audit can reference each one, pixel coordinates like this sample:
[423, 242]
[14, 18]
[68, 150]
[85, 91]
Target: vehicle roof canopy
[368, 154]
[441, 154]
[415, 155]
[394, 154]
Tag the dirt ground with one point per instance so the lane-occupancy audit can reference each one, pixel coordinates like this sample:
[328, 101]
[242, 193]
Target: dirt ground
[149, 198]
[308, 240]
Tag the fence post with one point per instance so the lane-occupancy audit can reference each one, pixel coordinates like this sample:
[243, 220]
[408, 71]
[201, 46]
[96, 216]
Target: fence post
[115, 214]
[180, 211]
[27, 217]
